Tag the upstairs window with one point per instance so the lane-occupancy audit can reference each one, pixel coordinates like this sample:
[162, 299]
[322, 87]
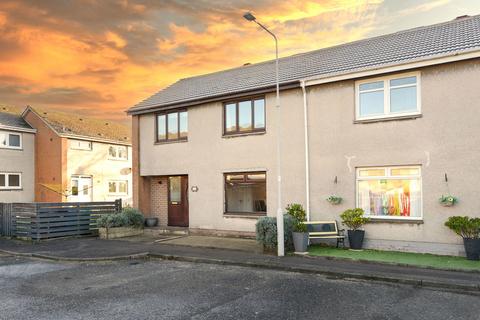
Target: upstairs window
[10, 180]
[80, 145]
[9, 140]
[172, 126]
[244, 116]
[388, 97]
[118, 153]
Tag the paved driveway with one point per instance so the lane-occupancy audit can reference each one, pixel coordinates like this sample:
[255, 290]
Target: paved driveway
[155, 289]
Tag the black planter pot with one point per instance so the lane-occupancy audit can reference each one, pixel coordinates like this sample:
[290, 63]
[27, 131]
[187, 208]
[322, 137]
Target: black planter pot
[472, 248]
[151, 222]
[355, 238]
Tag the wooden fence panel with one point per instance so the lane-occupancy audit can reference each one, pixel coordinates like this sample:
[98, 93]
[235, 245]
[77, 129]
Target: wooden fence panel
[51, 220]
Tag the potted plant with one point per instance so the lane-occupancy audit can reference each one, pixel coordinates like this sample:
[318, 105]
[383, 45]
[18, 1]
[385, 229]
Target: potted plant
[334, 199]
[300, 234]
[151, 221]
[448, 200]
[469, 229]
[354, 220]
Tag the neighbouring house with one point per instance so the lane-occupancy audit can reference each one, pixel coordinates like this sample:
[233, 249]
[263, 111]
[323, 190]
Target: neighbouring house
[390, 124]
[80, 159]
[17, 166]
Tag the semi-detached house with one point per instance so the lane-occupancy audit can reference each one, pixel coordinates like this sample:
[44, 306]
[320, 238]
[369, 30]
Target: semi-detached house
[390, 124]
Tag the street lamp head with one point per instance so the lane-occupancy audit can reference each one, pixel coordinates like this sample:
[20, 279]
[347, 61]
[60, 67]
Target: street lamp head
[249, 16]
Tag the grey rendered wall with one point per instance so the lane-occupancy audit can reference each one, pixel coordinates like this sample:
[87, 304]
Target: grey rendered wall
[20, 161]
[444, 140]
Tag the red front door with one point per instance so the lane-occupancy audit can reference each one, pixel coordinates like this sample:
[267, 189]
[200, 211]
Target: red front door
[178, 201]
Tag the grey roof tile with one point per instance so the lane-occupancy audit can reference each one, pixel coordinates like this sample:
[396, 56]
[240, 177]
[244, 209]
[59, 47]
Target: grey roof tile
[10, 117]
[446, 38]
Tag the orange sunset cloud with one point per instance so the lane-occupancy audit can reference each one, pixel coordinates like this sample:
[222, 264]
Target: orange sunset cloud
[101, 57]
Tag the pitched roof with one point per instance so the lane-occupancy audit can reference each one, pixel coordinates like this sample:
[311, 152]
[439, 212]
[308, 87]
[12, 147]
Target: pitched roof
[78, 126]
[444, 39]
[12, 117]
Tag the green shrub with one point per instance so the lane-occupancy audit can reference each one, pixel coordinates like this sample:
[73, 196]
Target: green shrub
[299, 216]
[353, 218]
[266, 232]
[129, 217]
[466, 227]
[112, 220]
[134, 216]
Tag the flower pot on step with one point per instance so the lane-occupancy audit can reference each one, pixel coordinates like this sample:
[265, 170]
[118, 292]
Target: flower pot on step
[300, 241]
[355, 238]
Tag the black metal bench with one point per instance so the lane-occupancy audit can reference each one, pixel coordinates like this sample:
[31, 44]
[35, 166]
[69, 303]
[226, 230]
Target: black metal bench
[325, 230]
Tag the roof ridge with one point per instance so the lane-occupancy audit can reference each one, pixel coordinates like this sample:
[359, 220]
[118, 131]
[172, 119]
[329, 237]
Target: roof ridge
[455, 20]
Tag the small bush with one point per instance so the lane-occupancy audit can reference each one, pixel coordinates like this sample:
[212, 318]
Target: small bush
[466, 227]
[134, 216]
[129, 217]
[299, 216]
[266, 232]
[353, 218]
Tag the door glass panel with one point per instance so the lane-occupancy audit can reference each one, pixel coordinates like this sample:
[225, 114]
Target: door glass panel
[175, 188]
[259, 106]
[230, 117]
[172, 125]
[245, 115]
[161, 128]
[183, 124]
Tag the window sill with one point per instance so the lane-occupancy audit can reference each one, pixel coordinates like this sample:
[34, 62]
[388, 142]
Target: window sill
[244, 215]
[234, 135]
[170, 141]
[401, 221]
[11, 189]
[116, 159]
[11, 148]
[396, 118]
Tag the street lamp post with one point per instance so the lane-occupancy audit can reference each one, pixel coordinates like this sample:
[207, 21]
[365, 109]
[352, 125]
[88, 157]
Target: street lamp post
[280, 231]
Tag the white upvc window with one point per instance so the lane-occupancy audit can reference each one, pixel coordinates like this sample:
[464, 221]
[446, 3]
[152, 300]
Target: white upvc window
[390, 192]
[10, 140]
[388, 97]
[118, 152]
[80, 144]
[118, 187]
[10, 180]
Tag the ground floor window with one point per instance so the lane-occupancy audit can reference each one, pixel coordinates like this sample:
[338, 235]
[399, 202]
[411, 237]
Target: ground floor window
[390, 192]
[246, 193]
[10, 180]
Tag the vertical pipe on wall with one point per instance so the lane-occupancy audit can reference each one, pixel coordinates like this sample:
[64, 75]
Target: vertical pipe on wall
[307, 153]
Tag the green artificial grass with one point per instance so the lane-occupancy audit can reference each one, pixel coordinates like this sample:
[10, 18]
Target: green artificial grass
[395, 257]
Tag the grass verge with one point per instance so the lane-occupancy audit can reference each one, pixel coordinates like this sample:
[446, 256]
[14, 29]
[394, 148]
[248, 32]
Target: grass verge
[401, 258]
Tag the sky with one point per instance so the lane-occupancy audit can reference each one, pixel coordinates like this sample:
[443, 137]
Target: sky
[100, 57]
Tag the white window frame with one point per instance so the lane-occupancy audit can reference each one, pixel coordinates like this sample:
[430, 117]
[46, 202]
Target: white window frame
[117, 157]
[8, 133]
[389, 176]
[117, 187]
[78, 148]
[7, 186]
[386, 96]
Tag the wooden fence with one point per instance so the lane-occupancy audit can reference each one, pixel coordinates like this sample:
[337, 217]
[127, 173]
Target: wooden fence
[39, 221]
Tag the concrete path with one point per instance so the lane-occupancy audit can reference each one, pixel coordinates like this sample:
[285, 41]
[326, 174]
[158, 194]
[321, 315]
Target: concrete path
[84, 249]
